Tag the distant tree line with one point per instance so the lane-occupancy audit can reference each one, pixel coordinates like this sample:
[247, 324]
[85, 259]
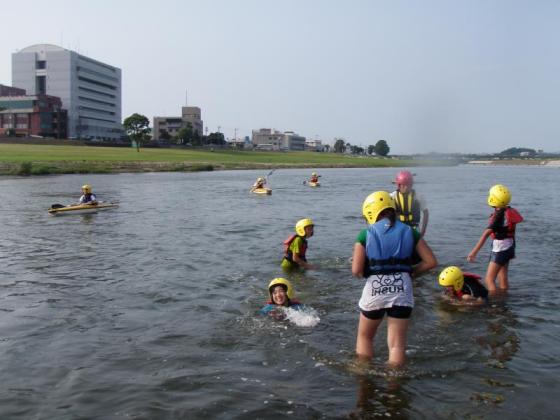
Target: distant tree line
[518, 151]
[381, 148]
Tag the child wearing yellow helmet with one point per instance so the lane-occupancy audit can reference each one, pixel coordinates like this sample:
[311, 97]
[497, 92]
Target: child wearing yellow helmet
[87, 196]
[281, 295]
[501, 227]
[462, 287]
[314, 177]
[295, 246]
[259, 183]
[383, 255]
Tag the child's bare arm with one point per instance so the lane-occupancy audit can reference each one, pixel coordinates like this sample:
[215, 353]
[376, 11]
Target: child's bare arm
[472, 255]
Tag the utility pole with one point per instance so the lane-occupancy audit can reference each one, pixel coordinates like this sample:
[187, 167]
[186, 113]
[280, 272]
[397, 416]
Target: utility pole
[186, 97]
[235, 134]
[219, 127]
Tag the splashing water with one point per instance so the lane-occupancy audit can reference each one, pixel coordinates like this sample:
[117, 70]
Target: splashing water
[306, 317]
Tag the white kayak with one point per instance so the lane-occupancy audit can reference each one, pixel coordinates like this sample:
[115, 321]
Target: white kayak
[57, 209]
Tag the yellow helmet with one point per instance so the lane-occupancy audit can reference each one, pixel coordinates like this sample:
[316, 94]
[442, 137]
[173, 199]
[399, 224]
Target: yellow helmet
[452, 276]
[301, 225]
[260, 179]
[86, 188]
[314, 174]
[499, 196]
[281, 281]
[375, 203]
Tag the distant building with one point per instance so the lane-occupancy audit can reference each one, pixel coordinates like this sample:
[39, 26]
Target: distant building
[270, 139]
[11, 91]
[171, 125]
[33, 115]
[89, 89]
[314, 145]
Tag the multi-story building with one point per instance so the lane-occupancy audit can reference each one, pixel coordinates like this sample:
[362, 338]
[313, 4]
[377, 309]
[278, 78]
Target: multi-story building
[171, 125]
[33, 115]
[314, 145]
[89, 89]
[11, 91]
[270, 139]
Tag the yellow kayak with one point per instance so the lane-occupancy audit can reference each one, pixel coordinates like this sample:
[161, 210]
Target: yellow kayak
[314, 184]
[80, 208]
[266, 191]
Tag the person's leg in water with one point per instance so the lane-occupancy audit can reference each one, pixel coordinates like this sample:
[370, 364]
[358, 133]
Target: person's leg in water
[503, 277]
[366, 332]
[396, 340]
[491, 274]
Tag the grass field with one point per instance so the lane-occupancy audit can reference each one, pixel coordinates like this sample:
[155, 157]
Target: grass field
[29, 159]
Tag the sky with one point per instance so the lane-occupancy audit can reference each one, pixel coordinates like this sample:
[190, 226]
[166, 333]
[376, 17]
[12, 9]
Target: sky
[470, 76]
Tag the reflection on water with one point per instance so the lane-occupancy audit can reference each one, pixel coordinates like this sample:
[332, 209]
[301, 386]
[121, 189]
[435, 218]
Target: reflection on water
[150, 310]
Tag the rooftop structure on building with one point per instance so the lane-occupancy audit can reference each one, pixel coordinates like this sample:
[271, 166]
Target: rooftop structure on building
[11, 91]
[89, 89]
[171, 125]
[32, 115]
[270, 139]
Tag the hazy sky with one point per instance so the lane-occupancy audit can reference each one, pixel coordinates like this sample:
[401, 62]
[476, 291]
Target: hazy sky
[450, 75]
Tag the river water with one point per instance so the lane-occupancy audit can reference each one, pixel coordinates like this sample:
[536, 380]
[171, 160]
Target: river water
[149, 310]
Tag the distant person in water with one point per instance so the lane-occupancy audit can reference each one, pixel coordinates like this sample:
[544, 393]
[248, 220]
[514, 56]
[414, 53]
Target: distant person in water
[501, 227]
[295, 246]
[314, 177]
[281, 295]
[87, 196]
[462, 288]
[259, 183]
[411, 206]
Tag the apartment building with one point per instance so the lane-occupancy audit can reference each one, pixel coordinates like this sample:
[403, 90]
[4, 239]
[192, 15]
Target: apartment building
[171, 125]
[33, 115]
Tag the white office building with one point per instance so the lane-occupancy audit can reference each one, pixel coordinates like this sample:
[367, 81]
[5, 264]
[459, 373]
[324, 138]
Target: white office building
[270, 139]
[89, 89]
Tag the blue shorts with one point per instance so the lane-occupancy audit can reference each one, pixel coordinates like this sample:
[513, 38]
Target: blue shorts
[401, 312]
[502, 258]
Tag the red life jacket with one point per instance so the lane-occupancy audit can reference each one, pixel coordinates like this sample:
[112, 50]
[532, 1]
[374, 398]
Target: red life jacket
[460, 293]
[511, 218]
[288, 253]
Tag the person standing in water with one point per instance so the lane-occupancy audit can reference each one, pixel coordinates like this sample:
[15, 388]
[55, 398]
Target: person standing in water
[411, 206]
[295, 246]
[382, 254]
[501, 227]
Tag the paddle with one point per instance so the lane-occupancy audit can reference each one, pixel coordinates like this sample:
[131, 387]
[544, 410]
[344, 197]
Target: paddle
[57, 206]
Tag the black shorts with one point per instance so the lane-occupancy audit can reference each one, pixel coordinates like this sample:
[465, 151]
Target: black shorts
[502, 258]
[401, 312]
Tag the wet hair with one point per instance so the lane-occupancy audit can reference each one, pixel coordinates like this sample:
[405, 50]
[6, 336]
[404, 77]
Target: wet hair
[388, 213]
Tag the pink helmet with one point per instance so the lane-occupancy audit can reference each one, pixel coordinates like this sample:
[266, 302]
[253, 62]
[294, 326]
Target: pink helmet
[404, 178]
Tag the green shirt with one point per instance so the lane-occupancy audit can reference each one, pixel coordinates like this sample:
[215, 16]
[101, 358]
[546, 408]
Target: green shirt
[295, 248]
[363, 235]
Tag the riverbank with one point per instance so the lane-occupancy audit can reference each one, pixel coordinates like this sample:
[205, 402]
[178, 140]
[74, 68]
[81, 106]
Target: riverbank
[34, 159]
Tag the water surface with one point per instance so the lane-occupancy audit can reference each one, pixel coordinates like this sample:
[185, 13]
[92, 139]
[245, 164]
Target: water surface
[149, 310]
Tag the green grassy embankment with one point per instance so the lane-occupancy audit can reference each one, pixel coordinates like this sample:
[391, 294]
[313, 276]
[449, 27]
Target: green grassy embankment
[28, 159]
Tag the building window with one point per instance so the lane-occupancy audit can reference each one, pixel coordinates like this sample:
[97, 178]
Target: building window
[41, 85]
[41, 64]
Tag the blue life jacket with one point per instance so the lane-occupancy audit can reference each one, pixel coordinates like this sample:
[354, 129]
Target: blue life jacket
[389, 248]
